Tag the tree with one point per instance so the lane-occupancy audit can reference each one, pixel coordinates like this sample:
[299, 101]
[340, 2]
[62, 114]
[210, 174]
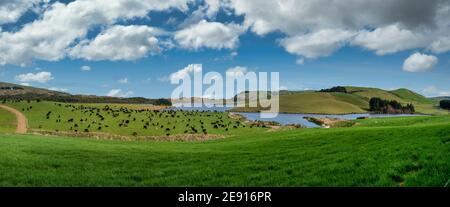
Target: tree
[445, 104]
[338, 89]
[379, 105]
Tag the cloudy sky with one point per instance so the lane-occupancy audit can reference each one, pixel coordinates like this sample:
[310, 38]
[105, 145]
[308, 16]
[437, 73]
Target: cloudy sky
[133, 47]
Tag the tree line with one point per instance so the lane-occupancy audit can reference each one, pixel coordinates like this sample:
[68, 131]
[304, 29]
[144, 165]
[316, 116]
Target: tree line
[338, 89]
[87, 99]
[379, 105]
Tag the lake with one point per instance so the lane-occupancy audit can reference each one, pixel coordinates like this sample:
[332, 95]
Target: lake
[285, 119]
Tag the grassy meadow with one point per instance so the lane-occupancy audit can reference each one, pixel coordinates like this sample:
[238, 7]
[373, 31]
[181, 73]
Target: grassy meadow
[395, 151]
[126, 120]
[7, 122]
[407, 151]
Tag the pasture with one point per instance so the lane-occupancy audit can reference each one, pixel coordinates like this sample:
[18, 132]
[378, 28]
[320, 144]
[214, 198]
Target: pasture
[416, 153]
[125, 120]
[7, 121]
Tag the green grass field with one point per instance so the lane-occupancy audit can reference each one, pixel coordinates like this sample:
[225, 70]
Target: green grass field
[356, 100]
[400, 151]
[126, 120]
[408, 151]
[7, 122]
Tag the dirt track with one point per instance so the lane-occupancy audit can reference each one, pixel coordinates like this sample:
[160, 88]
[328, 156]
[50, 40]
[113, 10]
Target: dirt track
[21, 119]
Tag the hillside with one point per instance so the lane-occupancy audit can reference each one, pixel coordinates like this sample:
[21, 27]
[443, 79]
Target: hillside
[14, 91]
[440, 98]
[354, 100]
[9, 89]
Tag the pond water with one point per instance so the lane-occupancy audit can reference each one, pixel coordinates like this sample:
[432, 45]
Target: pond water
[285, 119]
[299, 118]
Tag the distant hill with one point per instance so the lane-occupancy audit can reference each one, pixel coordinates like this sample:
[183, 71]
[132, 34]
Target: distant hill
[10, 89]
[353, 100]
[14, 91]
[440, 98]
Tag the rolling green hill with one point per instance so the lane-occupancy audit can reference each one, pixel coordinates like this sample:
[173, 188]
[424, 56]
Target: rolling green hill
[355, 100]
[10, 91]
[406, 94]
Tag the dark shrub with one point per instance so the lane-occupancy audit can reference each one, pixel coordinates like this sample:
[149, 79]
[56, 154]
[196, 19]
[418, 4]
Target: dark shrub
[445, 104]
[338, 89]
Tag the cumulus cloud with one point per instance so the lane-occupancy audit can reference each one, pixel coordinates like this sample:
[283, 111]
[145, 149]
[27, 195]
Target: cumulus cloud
[435, 91]
[318, 44]
[58, 89]
[213, 35]
[389, 39]
[123, 81]
[61, 25]
[41, 77]
[12, 10]
[61, 29]
[120, 43]
[187, 71]
[119, 93]
[24, 84]
[300, 61]
[440, 45]
[294, 17]
[86, 68]
[418, 62]
[237, 71]
[385, 26]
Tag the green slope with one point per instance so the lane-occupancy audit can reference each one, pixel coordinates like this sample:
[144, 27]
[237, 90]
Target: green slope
[316, 103]
[405, 96]
[322, 103]
[368, 93]
[408, 95]
[356, 100]
[7, 121]
[415, 154]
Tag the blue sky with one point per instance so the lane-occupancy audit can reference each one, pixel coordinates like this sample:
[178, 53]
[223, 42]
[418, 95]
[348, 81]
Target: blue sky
[349, 56]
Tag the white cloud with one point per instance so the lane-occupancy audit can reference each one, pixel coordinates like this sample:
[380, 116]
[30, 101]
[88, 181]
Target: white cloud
[213, 7]
[86, 68]
[395, 25]
[58, 89]
[384, 27]
[299, 16]
[25, 84]
[123, 81]
[187, 71]
[418, 62]
[389, 39]
[300, 61]
[41, 77]
[440, 45]
[283, 88]
[61, 25]
[318, 44]
[237, 71]
[435, 91]
[120, 43]
[213, 35]
[119, 93]
[12, 10]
